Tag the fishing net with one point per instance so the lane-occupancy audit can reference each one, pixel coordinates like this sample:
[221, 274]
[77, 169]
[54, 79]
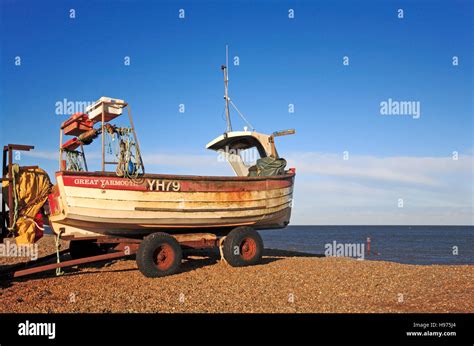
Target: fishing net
[122, 144]
[74, 161]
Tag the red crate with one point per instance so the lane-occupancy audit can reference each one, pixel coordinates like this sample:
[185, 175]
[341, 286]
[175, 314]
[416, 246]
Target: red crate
[71, 144]
[76, 129]
[77, 124]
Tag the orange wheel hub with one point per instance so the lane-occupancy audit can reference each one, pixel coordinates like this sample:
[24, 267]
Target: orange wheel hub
[248, 249]
[164, 257]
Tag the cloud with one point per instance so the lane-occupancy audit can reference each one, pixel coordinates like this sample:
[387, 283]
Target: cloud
[54, 155]
[46, 155]
[181, 161]
[188, 164]
[367, 189]
[426, 171]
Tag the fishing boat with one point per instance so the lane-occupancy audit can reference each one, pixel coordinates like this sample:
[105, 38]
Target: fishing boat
[101, 202]
[128, 202]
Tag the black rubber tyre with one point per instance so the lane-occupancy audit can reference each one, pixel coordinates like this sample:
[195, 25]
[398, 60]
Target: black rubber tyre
[243, 246]
[159, 254]
[85, 248]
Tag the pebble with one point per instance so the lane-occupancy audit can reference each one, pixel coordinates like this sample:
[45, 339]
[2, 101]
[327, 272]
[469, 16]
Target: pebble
[284, 282]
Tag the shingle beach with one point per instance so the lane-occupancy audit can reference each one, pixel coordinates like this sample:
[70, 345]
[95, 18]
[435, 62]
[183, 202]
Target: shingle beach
[285, 282]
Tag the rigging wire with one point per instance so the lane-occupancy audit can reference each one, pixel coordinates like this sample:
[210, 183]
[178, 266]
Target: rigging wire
[241, 115]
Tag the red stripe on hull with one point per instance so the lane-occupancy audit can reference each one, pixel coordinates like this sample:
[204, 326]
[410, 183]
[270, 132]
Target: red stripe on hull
[177, 184]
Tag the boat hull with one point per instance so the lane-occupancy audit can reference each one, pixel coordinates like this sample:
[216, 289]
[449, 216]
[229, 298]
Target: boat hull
[90, 203]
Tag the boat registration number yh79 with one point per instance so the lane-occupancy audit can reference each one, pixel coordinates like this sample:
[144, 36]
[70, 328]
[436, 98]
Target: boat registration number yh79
[163, 185]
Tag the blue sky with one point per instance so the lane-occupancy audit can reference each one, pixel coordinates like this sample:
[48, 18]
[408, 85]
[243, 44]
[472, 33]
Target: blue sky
[299, 61]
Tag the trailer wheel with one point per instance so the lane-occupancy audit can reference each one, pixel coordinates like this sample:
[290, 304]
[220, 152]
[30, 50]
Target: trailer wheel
[159, 255]
[243, 246]
[85, 248]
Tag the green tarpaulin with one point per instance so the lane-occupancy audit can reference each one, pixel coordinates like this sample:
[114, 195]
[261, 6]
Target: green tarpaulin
[268, 166]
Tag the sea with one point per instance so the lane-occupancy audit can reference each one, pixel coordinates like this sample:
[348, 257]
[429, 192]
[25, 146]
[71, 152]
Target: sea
[425, 245]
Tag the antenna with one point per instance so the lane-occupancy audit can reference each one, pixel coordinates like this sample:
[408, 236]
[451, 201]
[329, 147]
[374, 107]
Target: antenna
[225, 69]
[227, 60]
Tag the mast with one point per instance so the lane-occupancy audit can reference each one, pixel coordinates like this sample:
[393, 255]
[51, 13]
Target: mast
[224, 68]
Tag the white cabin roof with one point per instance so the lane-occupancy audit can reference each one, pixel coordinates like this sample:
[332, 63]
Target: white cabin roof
[242, 140]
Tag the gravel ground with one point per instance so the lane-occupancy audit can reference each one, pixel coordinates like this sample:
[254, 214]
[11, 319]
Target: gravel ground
[286, 282]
